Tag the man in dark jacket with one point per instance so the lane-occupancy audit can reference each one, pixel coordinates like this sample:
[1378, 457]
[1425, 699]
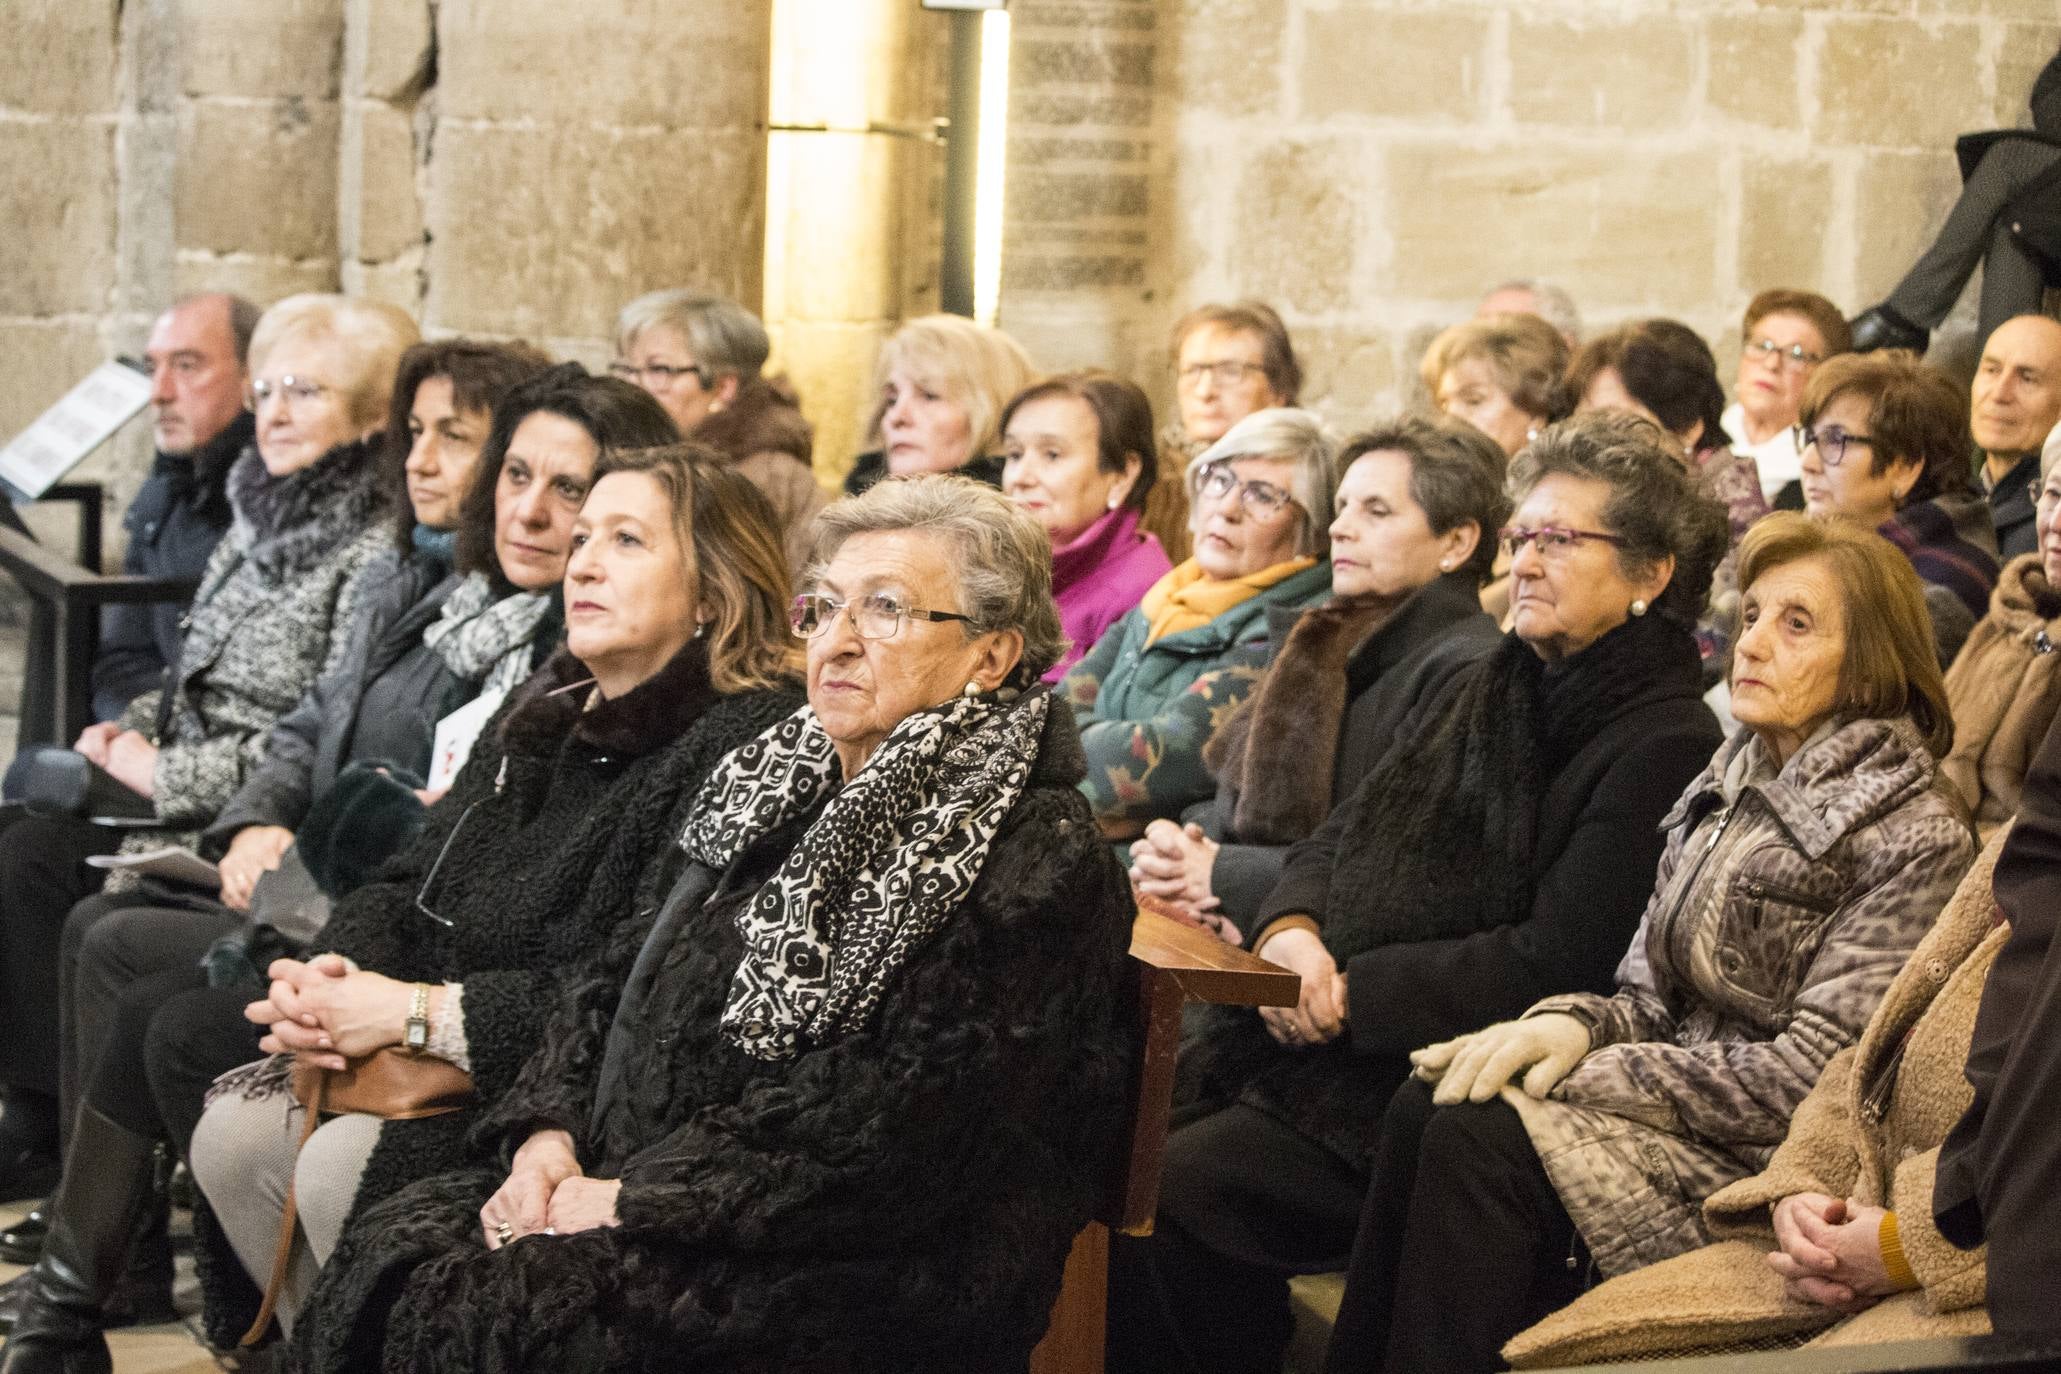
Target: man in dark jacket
[2014, 404]
[197, 375]
[1998, 1170]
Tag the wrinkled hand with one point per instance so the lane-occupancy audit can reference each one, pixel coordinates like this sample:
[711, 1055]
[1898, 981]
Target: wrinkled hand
[1174, 863]
[132, 761]
[581, 1204]
[1319, 1014]
[1830, 1251]
[1474, 1068]
[255, 851]
[94, 739]
[293, 1024]
[523, 1201]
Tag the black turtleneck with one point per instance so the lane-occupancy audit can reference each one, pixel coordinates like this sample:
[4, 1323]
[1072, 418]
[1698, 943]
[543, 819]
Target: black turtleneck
[178, 516]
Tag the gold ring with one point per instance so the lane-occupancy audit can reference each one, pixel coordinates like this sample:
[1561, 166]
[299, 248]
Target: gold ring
[503, 1232]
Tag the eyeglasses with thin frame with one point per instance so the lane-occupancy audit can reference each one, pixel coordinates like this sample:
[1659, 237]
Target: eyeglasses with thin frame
[2042, 494]
[299, 390]
[1783, 355]
[429, 879]
[1227, 373]
[1832, 442]
[878, 616]
[1552, 541]
[662, 375]
[1262, 500]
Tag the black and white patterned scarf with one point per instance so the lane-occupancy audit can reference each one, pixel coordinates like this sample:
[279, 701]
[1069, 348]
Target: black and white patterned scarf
[484, 640]
[890, 859]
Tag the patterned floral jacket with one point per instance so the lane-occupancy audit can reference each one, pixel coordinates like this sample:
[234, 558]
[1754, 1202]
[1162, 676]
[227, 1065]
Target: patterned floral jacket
[1147, 710]
[1783, 907]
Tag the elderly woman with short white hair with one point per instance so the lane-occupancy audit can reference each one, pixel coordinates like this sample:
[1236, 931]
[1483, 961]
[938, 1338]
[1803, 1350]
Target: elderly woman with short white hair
[1152, 690]
[703, 357]
[834, 1106]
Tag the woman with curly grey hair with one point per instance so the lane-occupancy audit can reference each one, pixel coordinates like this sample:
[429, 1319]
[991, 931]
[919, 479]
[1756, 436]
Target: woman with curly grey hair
[1499, 852]
[828, 1109]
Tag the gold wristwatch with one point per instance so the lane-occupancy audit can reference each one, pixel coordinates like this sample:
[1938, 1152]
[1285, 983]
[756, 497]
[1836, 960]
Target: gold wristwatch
[416, 1038]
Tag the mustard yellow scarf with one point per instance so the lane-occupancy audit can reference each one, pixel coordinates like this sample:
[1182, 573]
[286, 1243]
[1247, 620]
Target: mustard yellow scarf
[1187, 597]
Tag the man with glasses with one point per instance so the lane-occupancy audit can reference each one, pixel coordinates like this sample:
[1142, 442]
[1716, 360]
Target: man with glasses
[2013, 405]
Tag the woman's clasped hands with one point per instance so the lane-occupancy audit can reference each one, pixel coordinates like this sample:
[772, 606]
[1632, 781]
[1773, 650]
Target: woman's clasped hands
[1829, 1251]
[546, 1193]
[327, 1010]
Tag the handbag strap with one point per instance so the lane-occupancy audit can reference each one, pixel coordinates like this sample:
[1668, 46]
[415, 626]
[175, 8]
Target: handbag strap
[310, 1098]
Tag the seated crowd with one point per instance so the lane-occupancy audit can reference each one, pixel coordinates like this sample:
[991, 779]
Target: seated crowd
[667, 915]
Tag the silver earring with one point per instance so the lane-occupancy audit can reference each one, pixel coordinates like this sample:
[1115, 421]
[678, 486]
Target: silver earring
[1639, 605]
[1445, 565]
[700, 628]
[971, 689]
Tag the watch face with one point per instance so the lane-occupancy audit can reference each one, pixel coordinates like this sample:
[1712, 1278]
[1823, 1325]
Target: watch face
[418, 1035]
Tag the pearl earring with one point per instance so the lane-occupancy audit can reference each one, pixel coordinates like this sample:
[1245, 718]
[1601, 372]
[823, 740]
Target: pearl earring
[1639, 605]
[971, 689]
[1445, 565]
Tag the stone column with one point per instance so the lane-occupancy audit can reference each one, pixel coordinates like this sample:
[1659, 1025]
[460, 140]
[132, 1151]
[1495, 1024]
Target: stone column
[582, 155]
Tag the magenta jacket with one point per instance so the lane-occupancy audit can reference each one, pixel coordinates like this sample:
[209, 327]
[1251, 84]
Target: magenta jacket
[1098, 577]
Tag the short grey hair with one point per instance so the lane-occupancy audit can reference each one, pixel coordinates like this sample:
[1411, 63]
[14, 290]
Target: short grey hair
[1300, 437]
[724, 337]
[1003, 557]
[1549, 301]
[1653, 506]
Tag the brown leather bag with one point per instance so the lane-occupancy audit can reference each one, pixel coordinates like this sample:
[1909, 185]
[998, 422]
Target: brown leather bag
[391, 1083]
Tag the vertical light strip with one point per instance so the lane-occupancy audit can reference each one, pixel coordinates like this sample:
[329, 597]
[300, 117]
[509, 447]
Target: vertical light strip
[993, 154]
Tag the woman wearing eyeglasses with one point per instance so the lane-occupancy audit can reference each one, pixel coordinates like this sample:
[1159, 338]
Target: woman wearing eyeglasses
[561, 824]
[836, 1107]
[1500, 852]
[309, 503]
[1154, 688]
[702, 356]
[1784, 337]
[1886, 447]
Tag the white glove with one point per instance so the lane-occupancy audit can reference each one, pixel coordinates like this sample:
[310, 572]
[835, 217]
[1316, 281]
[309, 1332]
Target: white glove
[1474, 1068]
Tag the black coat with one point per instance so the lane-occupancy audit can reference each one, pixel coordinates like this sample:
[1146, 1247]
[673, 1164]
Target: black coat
[1596, 850]
[1999, 1172]
[1404, 662]
[869, 468]
[2012, 510]
[172, 526]
[902, 1199]
[568, 819]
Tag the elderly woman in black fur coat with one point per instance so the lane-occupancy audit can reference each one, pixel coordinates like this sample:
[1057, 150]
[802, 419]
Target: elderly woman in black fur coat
[1501, 851]
[556, 829]
[842, 1106]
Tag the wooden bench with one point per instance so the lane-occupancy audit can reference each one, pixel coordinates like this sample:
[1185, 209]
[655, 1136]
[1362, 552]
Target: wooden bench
[1174, 964]
[64, 623]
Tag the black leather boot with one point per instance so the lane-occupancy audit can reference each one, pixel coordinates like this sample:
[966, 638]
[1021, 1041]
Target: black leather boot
[1881, 327]
[22, 1243]
[94, 1216]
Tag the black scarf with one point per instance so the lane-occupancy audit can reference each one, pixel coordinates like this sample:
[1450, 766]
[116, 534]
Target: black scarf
[292, 522]
[1468, 785]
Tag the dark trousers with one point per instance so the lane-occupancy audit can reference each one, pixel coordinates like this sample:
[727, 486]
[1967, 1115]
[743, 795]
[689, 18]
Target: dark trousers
[111, 942]
[195, 1037]
[43, 874]
[1463, 1243]
[1246, 1201]
[1978, 231]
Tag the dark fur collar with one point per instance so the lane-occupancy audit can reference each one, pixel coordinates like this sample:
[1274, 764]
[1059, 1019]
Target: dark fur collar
[762, 418]
[553, 704]
[285, 524]
[1280, 747]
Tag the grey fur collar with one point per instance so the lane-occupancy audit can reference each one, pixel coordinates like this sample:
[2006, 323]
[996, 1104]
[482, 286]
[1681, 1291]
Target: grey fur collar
[285, 524]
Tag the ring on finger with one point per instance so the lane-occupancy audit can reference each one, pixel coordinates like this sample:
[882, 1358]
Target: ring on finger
[503, 1232]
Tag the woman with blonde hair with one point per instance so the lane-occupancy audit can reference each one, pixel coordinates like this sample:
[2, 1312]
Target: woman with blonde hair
[940, 385]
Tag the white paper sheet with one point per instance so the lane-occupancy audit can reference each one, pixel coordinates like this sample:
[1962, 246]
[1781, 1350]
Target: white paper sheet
[456, 734]
[106, 399]
[179, 865]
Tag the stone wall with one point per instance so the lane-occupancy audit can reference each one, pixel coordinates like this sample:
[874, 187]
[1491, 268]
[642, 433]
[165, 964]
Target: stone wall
[1370, 166]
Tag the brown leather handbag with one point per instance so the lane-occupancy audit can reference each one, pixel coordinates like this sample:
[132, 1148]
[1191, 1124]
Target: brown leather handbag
[392, 1083]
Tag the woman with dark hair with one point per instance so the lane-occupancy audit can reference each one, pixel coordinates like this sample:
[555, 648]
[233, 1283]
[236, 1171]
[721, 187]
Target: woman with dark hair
[337, 790]
[1077, 454]
[560, 827]
[1411, 544]
[1802, 867]
[1663, 370]
[1886, 446]
[1783, 339]
[1500, 851]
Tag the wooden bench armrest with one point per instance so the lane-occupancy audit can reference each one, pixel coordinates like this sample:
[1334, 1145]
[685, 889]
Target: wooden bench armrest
[1205, 969]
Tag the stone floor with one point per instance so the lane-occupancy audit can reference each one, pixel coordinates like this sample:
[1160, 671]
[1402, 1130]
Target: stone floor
[170, 1349]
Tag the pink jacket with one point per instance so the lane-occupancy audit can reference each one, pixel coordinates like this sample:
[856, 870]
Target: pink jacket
[1098, 577]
